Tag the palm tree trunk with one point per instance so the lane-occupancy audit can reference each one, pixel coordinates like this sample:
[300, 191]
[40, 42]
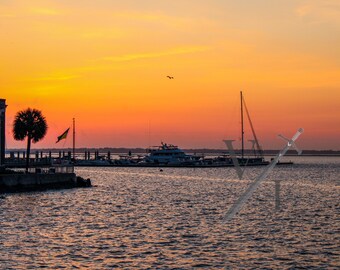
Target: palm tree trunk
[28, 152]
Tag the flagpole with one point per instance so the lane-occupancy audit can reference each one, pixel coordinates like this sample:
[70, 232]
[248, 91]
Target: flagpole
[74, 139]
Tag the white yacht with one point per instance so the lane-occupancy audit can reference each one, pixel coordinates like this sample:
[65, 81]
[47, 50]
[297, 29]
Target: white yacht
[168, 154]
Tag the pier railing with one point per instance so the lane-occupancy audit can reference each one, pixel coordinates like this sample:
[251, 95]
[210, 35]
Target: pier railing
[52, 169]
[55, 169]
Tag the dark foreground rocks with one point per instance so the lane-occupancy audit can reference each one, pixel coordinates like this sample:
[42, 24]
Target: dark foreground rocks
[81, 182]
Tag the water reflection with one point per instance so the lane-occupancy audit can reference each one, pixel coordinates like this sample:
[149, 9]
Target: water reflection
[143, 218]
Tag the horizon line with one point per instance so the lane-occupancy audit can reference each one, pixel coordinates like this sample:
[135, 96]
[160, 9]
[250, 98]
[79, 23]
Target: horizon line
[144, 148]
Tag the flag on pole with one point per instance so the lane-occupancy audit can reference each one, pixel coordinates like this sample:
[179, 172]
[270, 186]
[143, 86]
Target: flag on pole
[63, 136]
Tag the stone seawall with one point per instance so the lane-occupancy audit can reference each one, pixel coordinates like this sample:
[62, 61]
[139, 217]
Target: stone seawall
[36, 181]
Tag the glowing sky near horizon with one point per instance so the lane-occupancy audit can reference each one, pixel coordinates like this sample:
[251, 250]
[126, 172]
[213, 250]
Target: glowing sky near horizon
[105, 63]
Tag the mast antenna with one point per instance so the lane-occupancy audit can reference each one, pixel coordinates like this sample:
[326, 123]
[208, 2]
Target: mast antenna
[242, 128]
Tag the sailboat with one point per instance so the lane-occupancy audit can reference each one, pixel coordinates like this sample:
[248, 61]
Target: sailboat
[258, 158]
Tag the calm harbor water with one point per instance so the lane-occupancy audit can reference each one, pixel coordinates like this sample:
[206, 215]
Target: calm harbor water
[144, 218]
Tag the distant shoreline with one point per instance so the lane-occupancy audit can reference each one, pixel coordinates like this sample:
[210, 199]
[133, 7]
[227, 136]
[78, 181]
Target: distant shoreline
[320, 153]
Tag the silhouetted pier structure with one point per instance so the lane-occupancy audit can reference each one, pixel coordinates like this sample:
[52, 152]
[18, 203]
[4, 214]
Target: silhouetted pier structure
[38, 158]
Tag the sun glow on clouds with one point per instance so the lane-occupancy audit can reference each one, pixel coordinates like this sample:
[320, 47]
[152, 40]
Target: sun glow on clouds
[44, 11]
[55, 78]
[320, 10]
[105, 63]
[175, 51]
[16, 8]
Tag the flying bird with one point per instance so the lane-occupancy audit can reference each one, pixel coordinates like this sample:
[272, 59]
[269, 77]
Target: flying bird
[170, 77]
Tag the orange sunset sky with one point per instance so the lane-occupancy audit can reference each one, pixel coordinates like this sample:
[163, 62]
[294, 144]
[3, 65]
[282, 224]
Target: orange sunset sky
[105, 63]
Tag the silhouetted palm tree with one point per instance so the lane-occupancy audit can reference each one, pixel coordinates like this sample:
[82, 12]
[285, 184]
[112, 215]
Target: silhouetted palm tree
[32, 124]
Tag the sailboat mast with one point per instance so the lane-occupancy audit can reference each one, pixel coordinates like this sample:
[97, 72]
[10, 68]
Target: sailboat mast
[74, 139]
[242, 128]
